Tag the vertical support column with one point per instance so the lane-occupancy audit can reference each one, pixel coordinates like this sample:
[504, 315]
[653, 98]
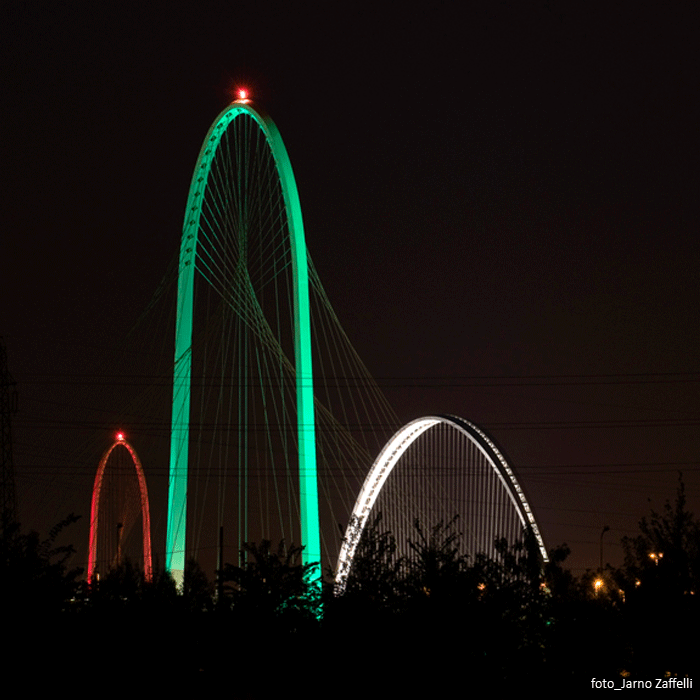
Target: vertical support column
[175, 545]
[306, 418]
[306, 424]
[177, 482]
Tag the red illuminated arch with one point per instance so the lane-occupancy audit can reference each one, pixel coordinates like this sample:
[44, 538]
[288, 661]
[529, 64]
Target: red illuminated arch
[145, 512]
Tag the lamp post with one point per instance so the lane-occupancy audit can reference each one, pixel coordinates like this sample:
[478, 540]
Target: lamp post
[605, 529]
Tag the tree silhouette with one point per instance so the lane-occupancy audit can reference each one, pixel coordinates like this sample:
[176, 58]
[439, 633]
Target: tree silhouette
[375, 579]
[659, 581]
[271, 585]
[664, 558]
[37, 590]
[35, 576]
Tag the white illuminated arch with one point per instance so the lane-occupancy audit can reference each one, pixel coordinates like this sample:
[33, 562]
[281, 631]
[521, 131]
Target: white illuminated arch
[388, 459]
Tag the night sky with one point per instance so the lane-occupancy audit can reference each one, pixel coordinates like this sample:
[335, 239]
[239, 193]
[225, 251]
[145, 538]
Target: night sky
[500, 200]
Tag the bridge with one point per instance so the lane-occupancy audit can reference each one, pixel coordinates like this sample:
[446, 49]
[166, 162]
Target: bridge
[277, 429]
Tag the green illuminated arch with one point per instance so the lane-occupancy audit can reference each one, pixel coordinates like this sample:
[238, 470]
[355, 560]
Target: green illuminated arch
[180, 426]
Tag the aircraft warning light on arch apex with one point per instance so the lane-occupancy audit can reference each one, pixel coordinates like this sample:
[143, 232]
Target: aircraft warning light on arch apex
[120, 437]
[243, 95]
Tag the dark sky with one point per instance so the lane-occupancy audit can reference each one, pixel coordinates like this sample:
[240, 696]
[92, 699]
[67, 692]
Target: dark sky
[500, 200]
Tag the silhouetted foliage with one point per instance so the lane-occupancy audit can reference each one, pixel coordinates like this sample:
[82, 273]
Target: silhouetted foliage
[664, 558]
[659, 582]
[198, 590]
[125, 587]
[118, 587]
[435, 566]
[37, 590]
[271, 584]
[500, 617]
[375, 579]
[35, 577]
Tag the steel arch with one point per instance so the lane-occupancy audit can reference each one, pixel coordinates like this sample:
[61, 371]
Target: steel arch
[145, 510]
[387, 460]
[306, 432]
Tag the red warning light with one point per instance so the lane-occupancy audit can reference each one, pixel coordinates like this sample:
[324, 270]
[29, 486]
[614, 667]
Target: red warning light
[120, 437]
[243, 94]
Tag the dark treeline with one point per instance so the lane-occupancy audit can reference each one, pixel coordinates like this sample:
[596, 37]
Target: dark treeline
[416, 625]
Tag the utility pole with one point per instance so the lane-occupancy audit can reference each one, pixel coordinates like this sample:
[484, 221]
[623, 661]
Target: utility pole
[8, 406]
[605, 529]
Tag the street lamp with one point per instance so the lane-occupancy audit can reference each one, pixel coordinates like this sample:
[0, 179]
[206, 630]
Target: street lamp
[655, 556]
[605, 529]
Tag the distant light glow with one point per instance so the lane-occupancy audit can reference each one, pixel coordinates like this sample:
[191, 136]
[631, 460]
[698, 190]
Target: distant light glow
[120, 437]
[243, 95]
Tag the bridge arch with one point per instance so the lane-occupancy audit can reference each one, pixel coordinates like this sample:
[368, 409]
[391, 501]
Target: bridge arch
[145, 510]
[241, 119]
[388, 459]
